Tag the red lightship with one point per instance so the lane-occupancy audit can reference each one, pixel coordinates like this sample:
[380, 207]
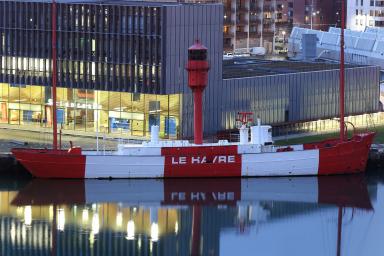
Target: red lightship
[164, 159]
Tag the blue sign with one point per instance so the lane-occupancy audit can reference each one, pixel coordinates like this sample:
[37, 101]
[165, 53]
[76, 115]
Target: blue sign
[170, 126]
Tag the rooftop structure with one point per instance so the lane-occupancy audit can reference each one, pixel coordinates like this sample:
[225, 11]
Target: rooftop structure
[252, 67]
[361, 47]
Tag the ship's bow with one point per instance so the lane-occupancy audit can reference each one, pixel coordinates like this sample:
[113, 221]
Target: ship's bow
[48, 163]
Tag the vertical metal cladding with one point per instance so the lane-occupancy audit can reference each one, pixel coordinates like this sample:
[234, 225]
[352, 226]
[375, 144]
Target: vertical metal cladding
[100, 46]
[183, 24]
[298, 97]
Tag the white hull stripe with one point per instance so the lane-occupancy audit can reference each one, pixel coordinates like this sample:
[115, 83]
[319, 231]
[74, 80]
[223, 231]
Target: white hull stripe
[304, 162]
[116, 166]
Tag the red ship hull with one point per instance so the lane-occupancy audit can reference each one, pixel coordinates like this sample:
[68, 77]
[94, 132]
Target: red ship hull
[324, 158]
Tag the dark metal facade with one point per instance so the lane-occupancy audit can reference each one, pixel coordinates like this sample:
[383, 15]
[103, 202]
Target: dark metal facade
[300, 97]
[103, 47]
[184, 24]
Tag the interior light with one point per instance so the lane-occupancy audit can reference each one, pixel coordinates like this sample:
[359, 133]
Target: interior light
[60, 219]
[154, 232]
[130, 230]
[28, 215]
[119, 219]
[85, 215]
[95, 223]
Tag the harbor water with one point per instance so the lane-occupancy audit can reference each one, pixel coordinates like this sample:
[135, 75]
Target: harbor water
[339, 215]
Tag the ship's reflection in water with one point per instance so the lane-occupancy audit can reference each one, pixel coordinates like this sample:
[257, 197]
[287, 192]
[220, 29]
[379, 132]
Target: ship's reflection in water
[269, 216]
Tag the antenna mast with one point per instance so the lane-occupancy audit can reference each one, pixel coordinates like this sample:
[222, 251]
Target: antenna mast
[54, 75]
[342, 76]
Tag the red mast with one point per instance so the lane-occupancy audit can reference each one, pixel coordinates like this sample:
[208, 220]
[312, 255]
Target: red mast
[339, 223]
[197, 68]
[54, 231]
[342, 77]
[342, 123]
[54, 75]
[196, 230]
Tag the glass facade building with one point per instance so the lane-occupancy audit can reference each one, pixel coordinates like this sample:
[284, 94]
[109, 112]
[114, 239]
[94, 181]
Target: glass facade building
[129, 114]
[102, 47]
[109, 61]
[118, 62]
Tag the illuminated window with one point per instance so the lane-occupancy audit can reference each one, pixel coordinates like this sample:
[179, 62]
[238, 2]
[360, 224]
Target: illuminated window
[25, 94]
[126, 101]
[371, 23]
[93, 46]
[37, 95]
[81, 69]
[114, 101]
[14, 93]
[103, 99]
[93, 70]
[4, 89]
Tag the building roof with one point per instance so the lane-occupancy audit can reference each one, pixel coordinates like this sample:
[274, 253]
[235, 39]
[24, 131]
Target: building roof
[114, 2]
[251, 67]
[366, 44]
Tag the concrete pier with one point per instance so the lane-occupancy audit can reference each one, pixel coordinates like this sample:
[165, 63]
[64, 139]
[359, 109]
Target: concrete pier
[6, 161]
[10, 167]
[376, 155]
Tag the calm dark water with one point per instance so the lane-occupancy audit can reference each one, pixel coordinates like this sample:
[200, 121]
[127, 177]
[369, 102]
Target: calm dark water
[275, 216]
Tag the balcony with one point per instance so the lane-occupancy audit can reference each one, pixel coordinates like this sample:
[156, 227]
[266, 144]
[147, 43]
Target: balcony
[228, 21]
[228, 35]
[241, 22]
[379, 14]
[228, 47]
[283, 24]
[281, 21]
[268, 22]
[240, 9]
[379, 3]
[255, 9]
[268, 8]
[253, 28]
[268, 32]
[254, 34]
[254, 22]
[241, 35]
[227, 13]
[227, 6]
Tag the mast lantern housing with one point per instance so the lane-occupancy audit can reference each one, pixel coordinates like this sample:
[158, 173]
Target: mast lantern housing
[197, 68]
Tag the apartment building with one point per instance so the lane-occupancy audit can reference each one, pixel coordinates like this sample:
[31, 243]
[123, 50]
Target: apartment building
[267, 23]
[253, 23]
[365, 13]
